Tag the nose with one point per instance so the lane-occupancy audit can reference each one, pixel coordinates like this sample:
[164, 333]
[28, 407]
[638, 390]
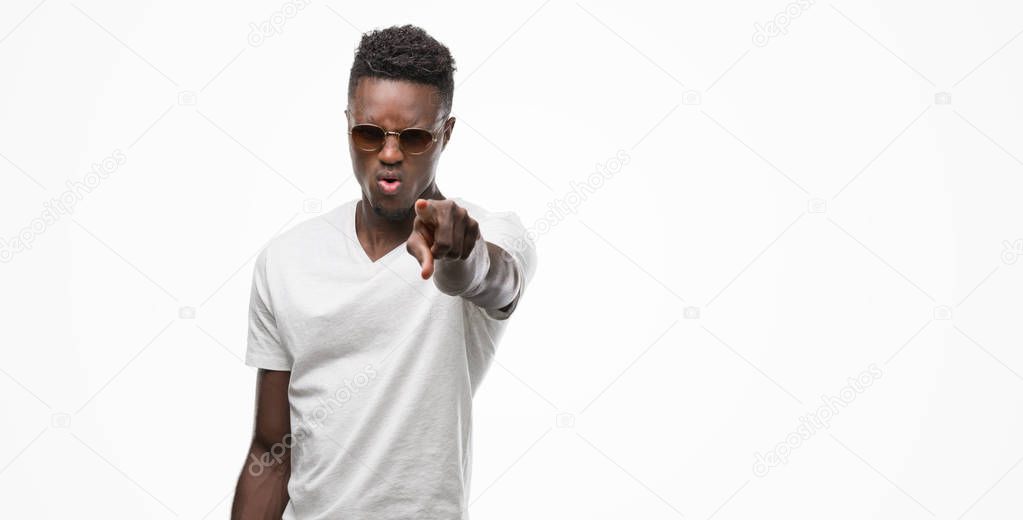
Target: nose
[391, 152]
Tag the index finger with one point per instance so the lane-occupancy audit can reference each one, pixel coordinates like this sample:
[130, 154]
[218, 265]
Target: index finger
[425, 211]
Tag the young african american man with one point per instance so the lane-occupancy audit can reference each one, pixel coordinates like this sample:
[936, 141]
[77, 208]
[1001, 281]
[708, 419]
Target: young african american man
[373, 324]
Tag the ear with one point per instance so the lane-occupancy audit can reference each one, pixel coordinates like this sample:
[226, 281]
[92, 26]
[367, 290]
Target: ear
[449, 126]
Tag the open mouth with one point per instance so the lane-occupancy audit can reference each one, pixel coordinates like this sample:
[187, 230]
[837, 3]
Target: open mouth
[389, 184]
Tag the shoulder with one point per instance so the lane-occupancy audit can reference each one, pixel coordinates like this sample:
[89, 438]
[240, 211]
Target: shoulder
[307, 236]
[482, 213]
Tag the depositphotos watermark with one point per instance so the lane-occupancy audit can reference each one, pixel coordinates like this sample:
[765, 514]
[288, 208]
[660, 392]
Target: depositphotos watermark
[779, 25]
[64, 204]
[1011, 251]
[819, 419]
[313, 420]
[274, 25]
[569, 203]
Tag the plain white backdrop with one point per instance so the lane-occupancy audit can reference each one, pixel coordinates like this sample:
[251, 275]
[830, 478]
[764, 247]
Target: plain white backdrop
[813, 192]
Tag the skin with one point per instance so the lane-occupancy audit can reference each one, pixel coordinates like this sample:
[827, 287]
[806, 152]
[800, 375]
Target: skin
[433, 228]
[262, 490]
[384, 221]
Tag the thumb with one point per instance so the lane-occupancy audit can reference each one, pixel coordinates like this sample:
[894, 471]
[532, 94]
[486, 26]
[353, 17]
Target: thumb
[418, 247]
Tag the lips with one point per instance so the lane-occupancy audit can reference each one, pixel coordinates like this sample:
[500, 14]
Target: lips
[389, 183]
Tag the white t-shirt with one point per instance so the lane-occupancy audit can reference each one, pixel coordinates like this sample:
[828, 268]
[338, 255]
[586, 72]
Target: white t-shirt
[383, 368]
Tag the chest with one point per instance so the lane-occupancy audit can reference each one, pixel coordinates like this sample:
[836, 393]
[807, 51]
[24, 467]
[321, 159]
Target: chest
[327, 312]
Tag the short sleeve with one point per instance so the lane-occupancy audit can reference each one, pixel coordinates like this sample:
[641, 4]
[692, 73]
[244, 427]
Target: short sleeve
[264, 348]
[505, 230]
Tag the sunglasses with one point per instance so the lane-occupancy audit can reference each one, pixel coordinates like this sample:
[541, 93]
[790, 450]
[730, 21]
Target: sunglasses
[370, 138]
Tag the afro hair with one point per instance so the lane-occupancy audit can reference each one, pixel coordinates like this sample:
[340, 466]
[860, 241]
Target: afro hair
[405, 53]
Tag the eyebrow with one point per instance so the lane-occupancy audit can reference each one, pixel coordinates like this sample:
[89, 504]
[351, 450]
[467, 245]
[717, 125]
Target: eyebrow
[372, 120]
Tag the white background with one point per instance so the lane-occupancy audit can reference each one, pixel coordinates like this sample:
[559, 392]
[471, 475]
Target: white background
[809, 199]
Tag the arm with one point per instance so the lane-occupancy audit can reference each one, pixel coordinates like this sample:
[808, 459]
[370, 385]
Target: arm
[262, 490]
[497, 252]
[487, 277]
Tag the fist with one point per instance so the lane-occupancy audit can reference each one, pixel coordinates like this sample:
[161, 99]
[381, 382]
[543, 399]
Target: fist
[442, 229]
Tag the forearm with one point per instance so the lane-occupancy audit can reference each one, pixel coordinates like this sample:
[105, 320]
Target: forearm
[488, 277]
[262, 490]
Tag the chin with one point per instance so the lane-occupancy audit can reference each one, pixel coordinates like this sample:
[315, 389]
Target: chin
[394, 213]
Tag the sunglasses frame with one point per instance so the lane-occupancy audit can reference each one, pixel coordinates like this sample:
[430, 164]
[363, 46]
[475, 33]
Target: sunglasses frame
[397, 134]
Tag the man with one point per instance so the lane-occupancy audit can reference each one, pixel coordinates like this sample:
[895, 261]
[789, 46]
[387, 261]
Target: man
[373, 325]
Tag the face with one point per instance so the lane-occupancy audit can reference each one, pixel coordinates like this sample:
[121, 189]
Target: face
[394, 106]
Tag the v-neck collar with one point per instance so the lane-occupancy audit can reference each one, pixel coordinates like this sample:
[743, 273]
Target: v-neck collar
[362, 254]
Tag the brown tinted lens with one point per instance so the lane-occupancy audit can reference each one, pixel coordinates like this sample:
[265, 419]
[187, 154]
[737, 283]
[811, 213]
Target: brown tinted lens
[367, 137]
[415, 140]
